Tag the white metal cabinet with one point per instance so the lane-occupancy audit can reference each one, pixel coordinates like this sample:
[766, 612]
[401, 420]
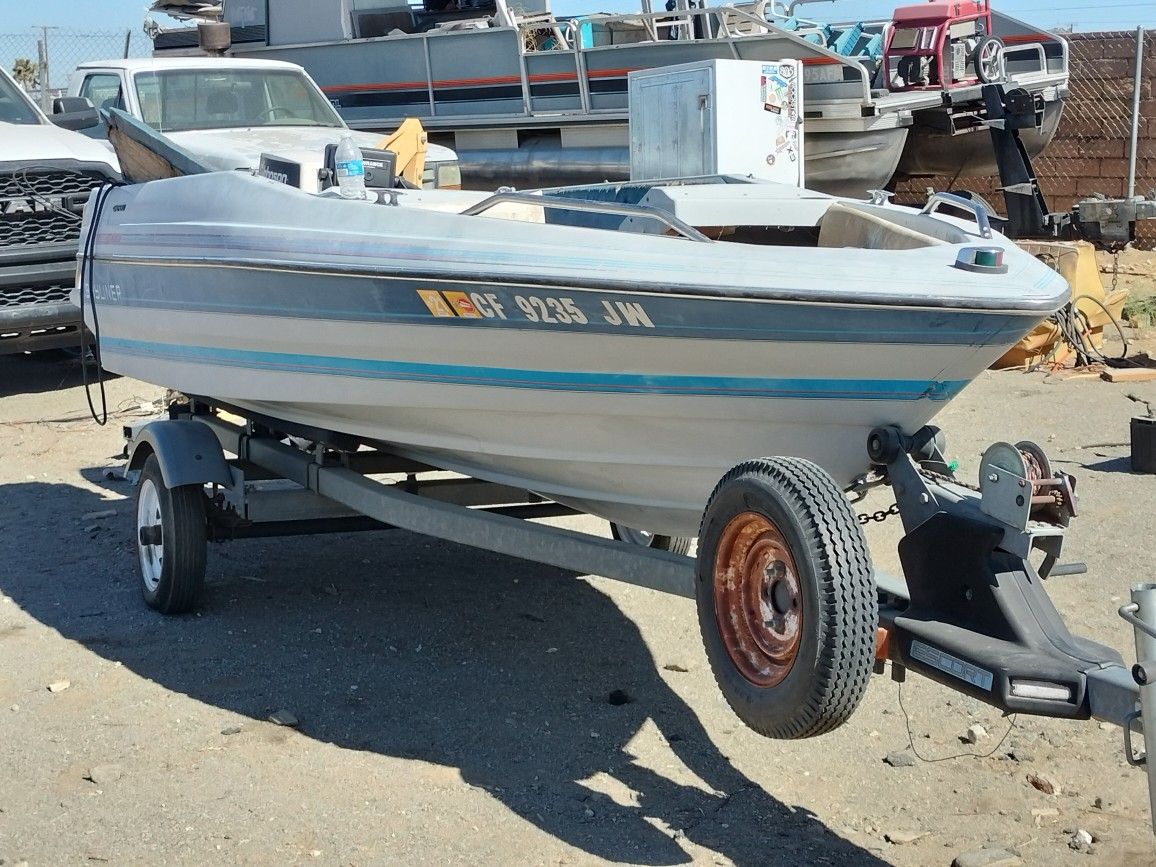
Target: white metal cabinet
[740, 117]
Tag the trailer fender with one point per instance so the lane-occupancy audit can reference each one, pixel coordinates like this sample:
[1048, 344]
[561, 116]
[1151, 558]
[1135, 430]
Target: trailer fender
[188, 452]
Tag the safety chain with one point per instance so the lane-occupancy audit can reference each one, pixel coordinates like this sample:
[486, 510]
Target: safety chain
[880, 516]
[943, 477]
[883, 514]
[1115, 268]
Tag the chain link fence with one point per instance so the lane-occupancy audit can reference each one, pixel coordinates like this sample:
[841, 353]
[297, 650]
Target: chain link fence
[1091, 149]
[43, 59]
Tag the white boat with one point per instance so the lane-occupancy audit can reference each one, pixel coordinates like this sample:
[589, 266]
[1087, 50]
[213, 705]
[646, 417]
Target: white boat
[586, 344]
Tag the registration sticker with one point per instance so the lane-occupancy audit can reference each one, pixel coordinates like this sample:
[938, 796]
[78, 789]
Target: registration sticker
[462, 305]
[436, 303]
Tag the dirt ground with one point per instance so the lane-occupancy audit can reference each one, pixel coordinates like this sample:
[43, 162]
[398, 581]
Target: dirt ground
[453, 704]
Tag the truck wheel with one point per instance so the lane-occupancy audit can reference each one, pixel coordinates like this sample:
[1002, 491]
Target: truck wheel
[786, 598]
[988, 60]
[171, 541]
[674, 544]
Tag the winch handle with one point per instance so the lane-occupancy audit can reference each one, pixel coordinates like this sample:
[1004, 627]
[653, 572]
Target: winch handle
[977, 210]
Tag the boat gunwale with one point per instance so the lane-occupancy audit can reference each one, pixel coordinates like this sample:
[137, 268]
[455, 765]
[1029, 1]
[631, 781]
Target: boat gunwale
[842, 299]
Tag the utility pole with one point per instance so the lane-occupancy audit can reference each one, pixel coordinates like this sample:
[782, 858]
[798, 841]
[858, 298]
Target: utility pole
[45, 78]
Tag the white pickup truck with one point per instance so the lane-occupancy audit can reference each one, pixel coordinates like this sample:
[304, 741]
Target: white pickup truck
[47, 172]
[227, 112]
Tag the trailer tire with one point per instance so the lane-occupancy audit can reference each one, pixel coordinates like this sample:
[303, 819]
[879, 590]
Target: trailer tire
[674, 544]
[786, 598]
[171, 541]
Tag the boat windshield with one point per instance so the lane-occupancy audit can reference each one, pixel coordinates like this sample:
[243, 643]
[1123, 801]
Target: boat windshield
[172, 100]
[14, 105]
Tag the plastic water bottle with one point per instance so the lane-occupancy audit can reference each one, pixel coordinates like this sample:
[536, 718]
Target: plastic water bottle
[350, 169]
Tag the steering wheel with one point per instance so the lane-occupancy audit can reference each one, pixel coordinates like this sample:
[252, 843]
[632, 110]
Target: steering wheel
[271, 110]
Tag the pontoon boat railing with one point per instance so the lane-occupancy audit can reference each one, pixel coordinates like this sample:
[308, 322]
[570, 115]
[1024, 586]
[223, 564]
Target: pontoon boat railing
[566, 204]
[1037, 47]
[1010, 30]
[718, 24]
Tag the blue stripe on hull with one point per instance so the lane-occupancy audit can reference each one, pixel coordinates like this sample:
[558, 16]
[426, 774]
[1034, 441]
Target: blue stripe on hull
[549, 380]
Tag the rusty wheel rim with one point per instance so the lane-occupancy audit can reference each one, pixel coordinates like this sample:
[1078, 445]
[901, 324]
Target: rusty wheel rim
[758, 599]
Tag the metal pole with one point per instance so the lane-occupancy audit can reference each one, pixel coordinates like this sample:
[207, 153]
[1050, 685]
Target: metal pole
[127, 43]
[46, 91]
[42, 60]
[1144, 598]
[1136, 79]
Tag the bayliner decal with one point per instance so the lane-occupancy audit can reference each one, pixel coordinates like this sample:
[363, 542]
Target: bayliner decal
[603, 382]
[534, 308]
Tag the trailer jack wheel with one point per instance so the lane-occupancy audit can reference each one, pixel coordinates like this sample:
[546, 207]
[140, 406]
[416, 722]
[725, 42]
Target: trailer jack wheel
[786, 598]
[171, 541]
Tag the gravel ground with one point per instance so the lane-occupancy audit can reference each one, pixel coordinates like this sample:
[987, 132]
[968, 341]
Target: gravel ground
[453, 704]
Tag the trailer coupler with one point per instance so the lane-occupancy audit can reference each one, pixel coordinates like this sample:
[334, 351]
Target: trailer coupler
[976, 615]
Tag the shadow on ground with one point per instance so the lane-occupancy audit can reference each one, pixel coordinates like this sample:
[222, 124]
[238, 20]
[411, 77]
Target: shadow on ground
[41, 372]
[1111, 465]
[408, 647]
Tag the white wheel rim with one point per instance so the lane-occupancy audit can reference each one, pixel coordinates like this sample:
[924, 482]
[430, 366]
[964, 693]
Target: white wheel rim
[989, 60]
[637, 537]
[148, 514]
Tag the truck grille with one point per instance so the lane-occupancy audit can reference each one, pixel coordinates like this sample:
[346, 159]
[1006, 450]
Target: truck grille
[43, 206]
[19, 296]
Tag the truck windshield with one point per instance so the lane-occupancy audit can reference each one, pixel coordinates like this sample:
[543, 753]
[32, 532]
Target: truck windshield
[180, 99]
[14, 106]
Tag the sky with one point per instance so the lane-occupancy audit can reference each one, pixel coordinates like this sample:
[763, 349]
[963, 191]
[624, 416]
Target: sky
[18, 16]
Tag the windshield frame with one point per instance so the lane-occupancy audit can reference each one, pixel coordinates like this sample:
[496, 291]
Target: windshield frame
[9, 87]
[323, 114]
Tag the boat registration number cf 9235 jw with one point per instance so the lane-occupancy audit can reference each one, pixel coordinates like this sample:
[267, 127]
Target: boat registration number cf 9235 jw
[533, 308]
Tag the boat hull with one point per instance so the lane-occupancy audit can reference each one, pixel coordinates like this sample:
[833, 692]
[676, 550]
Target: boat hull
[931, 152]
[643, 449]
[620, 373]
[836, 163]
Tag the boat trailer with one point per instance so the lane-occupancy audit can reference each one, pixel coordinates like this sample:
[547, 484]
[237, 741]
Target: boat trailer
[970, 611]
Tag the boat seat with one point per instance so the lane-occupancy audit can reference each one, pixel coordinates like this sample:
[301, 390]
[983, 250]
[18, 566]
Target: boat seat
[846, 225]
[846, 42]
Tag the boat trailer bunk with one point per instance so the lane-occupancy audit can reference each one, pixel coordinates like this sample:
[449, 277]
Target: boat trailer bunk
[793, 618]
